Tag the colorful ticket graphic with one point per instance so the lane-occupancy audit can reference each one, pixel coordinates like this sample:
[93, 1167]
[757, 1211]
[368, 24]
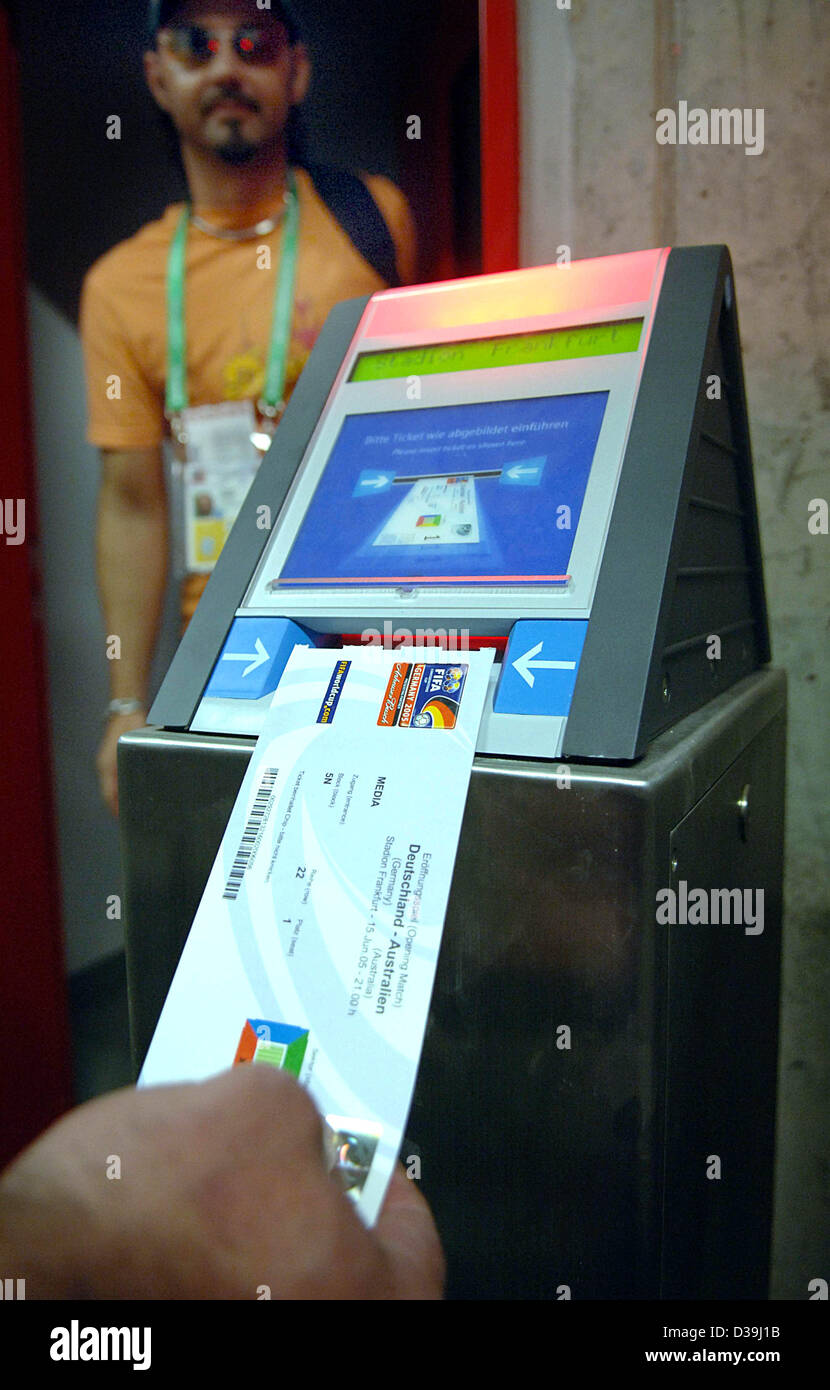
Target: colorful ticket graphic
[435, 511]
[332, 695]
[275, 1043]
[423, 696]
[315, 944]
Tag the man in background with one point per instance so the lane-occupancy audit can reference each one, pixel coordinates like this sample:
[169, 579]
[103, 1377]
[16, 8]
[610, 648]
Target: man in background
[218, 302]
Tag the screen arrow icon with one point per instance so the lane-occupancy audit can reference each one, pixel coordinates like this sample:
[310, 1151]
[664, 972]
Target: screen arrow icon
[373, 480]
[256, 659]
[525, 664]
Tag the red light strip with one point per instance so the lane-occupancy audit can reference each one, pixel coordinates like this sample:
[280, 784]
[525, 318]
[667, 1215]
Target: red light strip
[439, 579]
[471, 644]
[515, 302]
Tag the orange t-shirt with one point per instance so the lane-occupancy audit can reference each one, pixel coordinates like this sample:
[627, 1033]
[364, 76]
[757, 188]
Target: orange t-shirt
[229, 300]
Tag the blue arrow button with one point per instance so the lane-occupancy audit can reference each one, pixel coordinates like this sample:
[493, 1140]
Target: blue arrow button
[254, 657]
[538, 674]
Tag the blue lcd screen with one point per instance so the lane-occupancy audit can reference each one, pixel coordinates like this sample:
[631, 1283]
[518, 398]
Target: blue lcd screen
[486, 493]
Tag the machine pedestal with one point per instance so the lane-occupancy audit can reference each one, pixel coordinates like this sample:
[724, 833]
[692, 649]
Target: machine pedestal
[594, 1113]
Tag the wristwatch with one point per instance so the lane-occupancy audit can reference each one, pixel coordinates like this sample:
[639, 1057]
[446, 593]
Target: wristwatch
[123, 707]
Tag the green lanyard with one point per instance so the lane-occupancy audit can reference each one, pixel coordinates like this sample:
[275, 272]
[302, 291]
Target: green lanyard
[272, 402]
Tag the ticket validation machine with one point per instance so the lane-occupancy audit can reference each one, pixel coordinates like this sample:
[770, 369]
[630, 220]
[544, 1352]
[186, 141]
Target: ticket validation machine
[554, 462]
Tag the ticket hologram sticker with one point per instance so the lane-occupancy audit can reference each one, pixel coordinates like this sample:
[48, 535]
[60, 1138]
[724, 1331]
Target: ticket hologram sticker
[316, 941]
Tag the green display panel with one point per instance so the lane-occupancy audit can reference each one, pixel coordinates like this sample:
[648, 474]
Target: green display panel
[513, 350]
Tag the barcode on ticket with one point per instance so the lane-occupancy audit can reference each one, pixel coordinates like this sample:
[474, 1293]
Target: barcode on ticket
[253, 831]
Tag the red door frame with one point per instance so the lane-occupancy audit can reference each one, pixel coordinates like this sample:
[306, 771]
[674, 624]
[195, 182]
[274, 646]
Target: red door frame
[499, 135]
[35, 1072]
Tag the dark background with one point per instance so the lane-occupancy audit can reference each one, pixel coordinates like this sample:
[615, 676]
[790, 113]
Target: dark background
[375, 63]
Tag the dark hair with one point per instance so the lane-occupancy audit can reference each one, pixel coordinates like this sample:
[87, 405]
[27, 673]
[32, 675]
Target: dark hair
[161, 11]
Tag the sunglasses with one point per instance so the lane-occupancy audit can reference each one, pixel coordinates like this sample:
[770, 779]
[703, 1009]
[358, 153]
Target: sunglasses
[195, 46]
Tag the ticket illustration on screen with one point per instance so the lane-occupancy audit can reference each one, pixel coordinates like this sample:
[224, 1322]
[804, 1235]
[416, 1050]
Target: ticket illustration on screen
[435, 511]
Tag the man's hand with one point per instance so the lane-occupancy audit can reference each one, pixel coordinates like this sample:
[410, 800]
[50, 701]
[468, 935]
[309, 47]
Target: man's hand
[107, 762]
[223, 1189]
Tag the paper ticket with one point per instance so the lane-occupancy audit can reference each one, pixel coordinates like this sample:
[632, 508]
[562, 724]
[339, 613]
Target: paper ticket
[315, 944]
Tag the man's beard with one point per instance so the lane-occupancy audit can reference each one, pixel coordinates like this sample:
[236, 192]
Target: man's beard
[236, 150]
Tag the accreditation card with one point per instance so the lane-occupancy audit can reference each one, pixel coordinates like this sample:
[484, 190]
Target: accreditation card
[315, 944]
[221, 463]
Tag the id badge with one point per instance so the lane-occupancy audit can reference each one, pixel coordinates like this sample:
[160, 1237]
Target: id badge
[220, 462]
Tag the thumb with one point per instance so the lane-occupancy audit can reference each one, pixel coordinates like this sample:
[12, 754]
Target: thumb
[406, 1232]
